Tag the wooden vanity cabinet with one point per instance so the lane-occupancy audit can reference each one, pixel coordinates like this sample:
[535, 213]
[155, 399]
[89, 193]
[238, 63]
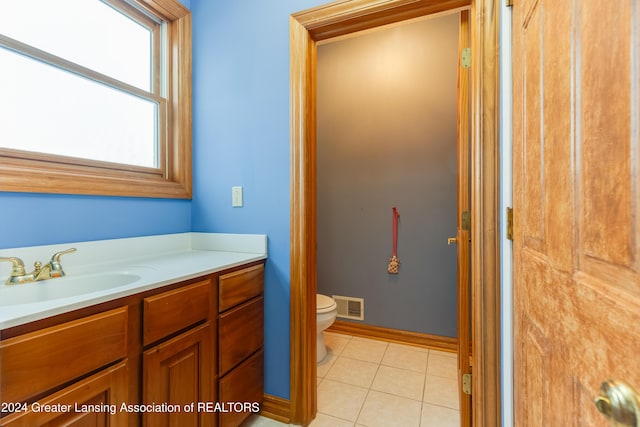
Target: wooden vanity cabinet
[241, 342]
[198, 341]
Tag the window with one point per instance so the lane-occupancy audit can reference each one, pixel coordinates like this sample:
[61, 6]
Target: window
[96, 97]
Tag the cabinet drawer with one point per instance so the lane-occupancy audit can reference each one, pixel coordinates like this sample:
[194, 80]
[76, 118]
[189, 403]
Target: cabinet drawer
[175, 310]
[240, 286]
[240, 333]
[243, 384]
[38, 361]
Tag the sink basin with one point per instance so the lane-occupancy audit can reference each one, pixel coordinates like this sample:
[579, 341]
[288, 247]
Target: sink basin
[64, 287]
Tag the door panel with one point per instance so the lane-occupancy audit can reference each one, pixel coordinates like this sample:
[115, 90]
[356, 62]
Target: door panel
[576, 220]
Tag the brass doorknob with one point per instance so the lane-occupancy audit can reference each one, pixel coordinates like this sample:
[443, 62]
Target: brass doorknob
[619, 403]
[451, 240]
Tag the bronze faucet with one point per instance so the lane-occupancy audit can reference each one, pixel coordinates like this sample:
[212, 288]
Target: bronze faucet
[50, 270]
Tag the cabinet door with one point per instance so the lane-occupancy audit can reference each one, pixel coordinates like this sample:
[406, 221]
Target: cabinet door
[178, 372]
[94, 401]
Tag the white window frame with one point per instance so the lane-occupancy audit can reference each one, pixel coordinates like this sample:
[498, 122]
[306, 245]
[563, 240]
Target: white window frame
[24, 171]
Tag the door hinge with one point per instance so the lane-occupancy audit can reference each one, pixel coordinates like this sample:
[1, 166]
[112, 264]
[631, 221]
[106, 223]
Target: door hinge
[466, 384]
[510, 223]
[509, 3]
[465, 57]
[466, 220]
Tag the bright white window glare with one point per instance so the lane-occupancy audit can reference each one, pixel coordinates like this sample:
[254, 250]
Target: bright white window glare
[87, 32]
[45, 109]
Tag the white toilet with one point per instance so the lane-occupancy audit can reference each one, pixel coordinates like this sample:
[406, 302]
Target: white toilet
[326, 310]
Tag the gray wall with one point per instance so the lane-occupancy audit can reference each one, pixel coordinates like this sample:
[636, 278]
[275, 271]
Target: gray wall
[387, 137]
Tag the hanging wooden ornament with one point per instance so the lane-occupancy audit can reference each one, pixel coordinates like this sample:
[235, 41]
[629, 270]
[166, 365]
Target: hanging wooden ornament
[394, 262]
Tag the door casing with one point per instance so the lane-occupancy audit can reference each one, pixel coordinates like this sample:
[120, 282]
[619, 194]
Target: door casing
[348, 16]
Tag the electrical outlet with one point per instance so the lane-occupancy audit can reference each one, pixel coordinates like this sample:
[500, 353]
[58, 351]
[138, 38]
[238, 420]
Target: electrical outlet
[236, 197]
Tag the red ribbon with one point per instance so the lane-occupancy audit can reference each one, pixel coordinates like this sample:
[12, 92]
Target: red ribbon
[396, 215]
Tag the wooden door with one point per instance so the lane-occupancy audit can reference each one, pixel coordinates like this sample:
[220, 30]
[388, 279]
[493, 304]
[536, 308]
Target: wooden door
[463, 224]
[576, 219]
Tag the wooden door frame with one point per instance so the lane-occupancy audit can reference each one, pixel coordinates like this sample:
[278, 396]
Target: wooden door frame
[344, 17]
[463, 231]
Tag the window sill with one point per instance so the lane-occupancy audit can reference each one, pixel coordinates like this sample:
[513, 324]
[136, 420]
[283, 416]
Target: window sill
[55, 175]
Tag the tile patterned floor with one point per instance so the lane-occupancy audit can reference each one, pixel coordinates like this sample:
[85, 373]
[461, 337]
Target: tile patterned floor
[365, 382]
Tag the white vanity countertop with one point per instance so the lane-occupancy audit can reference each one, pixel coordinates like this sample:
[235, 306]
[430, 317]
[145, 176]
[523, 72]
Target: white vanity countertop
[143, 262]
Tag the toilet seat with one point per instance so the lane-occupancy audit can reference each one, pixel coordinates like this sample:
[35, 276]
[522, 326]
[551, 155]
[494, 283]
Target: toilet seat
[324, 304]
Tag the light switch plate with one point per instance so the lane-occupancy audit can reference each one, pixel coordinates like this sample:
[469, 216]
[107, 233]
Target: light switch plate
[236, 197]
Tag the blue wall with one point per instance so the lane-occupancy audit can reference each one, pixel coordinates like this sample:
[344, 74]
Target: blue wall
[241, 137]
[28, 219]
